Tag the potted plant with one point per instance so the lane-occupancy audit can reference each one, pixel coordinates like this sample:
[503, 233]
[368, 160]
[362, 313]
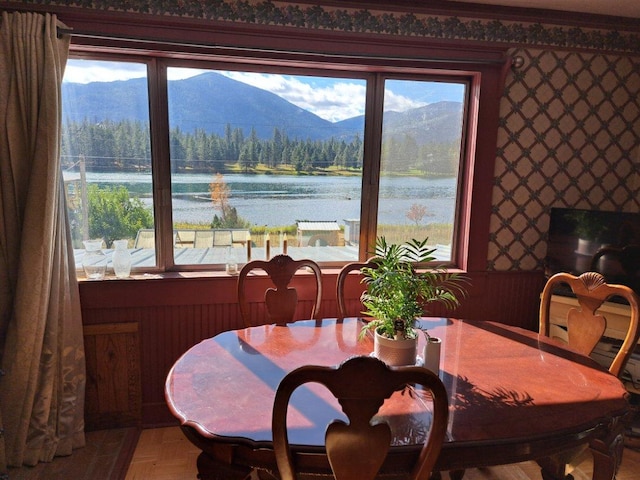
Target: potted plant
[589, 229]
[398, 293]
[591, 232]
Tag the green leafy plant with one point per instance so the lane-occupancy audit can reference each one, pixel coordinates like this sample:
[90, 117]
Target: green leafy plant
[588, 225]
[398, 293]
[114, 214]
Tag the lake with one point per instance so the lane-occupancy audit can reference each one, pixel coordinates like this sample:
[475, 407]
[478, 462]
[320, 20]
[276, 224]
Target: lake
[283, 199]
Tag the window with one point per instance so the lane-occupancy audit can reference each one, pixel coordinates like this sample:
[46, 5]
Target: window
[261, 160]
[420, 162]
[264, 158]
[106, 156]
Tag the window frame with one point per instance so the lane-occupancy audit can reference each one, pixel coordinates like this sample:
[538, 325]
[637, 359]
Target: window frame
[485, 73]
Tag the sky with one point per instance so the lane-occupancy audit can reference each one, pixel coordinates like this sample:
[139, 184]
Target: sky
[333, 99]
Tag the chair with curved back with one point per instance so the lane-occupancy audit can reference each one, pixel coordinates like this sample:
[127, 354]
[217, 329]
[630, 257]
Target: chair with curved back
[585, 327]
[341, 282]
[356, 450]
[280, 302]
[621, 264]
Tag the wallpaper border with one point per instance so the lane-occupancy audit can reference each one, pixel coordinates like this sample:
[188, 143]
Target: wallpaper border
[380, 21]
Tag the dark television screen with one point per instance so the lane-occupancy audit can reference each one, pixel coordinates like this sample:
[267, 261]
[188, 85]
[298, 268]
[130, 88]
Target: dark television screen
[606, 242]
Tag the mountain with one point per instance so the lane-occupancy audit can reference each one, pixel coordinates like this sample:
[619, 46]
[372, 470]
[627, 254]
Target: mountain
[96, 98]
[438, 122]
[210, 101]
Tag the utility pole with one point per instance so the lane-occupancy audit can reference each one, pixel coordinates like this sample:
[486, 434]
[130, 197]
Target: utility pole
[83, 199]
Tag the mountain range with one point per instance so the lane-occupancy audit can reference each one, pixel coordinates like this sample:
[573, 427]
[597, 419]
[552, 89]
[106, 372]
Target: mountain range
[211, 101]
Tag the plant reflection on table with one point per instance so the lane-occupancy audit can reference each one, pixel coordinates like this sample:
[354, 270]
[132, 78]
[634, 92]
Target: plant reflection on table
[467, 394]
[467, 397]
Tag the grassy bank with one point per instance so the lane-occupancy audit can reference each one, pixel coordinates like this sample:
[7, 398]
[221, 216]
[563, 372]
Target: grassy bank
[290, 170]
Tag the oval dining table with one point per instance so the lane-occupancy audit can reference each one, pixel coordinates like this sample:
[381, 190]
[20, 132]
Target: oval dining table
[513, 396]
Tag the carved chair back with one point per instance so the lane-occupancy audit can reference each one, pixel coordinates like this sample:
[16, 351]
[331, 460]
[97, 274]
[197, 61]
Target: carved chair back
[356, 450]
[341, 283]
[585, 326]
[280, 302]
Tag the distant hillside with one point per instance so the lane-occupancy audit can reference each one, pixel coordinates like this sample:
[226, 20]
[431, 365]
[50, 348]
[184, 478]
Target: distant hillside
[438, 122]
[93, 101]
[210, 101]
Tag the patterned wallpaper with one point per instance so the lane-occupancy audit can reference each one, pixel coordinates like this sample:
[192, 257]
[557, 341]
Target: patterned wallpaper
[569, 129]
[568, 137]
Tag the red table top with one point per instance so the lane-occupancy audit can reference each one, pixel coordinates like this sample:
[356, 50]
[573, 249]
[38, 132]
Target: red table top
[505, 384]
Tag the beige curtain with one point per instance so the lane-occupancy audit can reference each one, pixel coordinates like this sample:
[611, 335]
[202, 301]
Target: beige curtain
[41, 345]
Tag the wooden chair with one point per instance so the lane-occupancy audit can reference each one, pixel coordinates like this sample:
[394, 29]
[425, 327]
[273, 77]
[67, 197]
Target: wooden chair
[585, 328]
[627, 257]
[222, 238]
[340, 283]
[145, 238]
[619, 264]
[203, 239]
[281, 302]
[357, 450]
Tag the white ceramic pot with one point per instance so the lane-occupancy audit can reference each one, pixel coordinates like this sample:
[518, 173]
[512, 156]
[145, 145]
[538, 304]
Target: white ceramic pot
[395, 352]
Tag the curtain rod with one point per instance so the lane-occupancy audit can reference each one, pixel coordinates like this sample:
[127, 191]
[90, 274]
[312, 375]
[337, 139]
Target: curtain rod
[516, 62]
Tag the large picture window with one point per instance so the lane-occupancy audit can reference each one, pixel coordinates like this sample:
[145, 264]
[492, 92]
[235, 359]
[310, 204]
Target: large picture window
[261, 161]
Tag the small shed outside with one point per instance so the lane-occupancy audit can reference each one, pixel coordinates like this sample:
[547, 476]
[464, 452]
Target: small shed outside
[317, 234]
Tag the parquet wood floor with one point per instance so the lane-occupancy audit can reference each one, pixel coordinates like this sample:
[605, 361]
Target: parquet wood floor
[163, 454]
[166, 454]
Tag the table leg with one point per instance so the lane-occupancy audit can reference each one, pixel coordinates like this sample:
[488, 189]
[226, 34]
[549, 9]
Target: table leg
[607, 457]
[555, 467]
[456, 474]
[606, 452]
[546, 475]
[211, 469]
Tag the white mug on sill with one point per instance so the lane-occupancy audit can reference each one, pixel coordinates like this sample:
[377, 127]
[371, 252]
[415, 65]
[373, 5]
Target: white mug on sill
[431, 354]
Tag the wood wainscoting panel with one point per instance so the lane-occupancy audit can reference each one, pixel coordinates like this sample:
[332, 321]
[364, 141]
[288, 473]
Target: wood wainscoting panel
[113, 392]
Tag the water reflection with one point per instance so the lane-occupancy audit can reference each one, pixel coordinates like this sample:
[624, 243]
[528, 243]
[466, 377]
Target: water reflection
[281, 199]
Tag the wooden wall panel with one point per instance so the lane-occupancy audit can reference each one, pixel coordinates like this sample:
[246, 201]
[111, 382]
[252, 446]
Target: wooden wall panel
[175, 315]
[113, 392]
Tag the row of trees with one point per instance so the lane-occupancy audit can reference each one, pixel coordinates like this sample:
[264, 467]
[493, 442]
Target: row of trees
[125, 145]
[200, 150]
